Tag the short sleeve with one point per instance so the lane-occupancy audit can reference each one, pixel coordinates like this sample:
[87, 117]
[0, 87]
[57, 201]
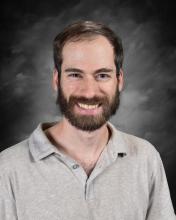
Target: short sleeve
[160, 204]
[7, 202]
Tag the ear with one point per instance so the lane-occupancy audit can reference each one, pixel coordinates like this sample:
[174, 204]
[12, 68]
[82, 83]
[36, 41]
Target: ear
[120, 80]
[55, 79]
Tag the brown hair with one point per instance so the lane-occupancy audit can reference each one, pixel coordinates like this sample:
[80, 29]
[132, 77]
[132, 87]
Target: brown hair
[84, 30]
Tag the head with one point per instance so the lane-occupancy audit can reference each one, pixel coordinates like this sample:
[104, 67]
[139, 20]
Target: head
[87, 30]
[88, 73]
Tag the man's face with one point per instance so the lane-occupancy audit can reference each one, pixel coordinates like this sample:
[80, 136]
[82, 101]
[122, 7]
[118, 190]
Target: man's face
[88, 89]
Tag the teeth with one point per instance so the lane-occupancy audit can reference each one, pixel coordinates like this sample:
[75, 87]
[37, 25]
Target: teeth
[87, 106]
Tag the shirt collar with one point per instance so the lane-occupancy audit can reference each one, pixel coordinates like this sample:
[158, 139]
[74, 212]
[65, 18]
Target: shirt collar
[40, 146]
[117, 144]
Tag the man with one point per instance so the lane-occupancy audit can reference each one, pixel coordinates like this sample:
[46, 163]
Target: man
[82, 167]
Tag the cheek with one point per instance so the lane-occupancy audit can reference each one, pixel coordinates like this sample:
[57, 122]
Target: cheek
[111, 88]
[68, 88]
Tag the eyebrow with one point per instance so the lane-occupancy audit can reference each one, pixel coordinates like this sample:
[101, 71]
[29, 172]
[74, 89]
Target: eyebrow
[105, 70]
[73, 70]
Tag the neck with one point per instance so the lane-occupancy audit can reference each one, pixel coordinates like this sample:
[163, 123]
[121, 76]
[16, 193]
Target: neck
[87, 146]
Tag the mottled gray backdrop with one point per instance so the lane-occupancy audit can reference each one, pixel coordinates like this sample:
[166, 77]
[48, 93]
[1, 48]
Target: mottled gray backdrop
[148, 103]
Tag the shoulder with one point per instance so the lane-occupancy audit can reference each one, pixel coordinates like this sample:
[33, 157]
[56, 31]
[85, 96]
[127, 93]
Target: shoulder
[137, 144]
[14, 156]
[141, 153]
[133, 145]
[142, 148]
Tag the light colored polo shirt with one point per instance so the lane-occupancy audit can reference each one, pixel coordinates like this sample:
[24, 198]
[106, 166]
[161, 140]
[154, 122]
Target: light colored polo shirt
[37, 182]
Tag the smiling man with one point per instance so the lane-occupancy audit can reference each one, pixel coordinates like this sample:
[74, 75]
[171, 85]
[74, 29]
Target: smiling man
[82, 167]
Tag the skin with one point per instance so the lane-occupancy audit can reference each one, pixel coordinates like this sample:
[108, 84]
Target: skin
[89, 57]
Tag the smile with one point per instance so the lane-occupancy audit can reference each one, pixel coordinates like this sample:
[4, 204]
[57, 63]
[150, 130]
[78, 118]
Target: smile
[84, 106]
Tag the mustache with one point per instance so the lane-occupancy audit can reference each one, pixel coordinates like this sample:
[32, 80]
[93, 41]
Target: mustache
[89, 101]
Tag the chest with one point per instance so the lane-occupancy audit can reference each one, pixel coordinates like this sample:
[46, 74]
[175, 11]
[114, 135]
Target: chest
[58, 194]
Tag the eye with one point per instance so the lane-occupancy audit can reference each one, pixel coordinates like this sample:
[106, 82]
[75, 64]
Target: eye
[74, 75]
[102, 76]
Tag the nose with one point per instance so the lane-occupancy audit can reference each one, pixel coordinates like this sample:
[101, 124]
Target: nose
[89, 88]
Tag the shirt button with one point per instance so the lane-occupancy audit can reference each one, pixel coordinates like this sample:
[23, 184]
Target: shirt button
[75, 166]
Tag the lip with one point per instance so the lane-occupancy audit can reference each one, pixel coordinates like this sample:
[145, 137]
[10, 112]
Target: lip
[83, 111]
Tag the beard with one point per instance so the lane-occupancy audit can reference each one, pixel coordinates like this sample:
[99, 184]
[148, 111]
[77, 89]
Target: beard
[88, 122]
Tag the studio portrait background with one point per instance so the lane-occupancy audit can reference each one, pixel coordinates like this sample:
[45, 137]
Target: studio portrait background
[148, 103]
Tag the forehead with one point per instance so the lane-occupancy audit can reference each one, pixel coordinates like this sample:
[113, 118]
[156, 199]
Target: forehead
[93, 52]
